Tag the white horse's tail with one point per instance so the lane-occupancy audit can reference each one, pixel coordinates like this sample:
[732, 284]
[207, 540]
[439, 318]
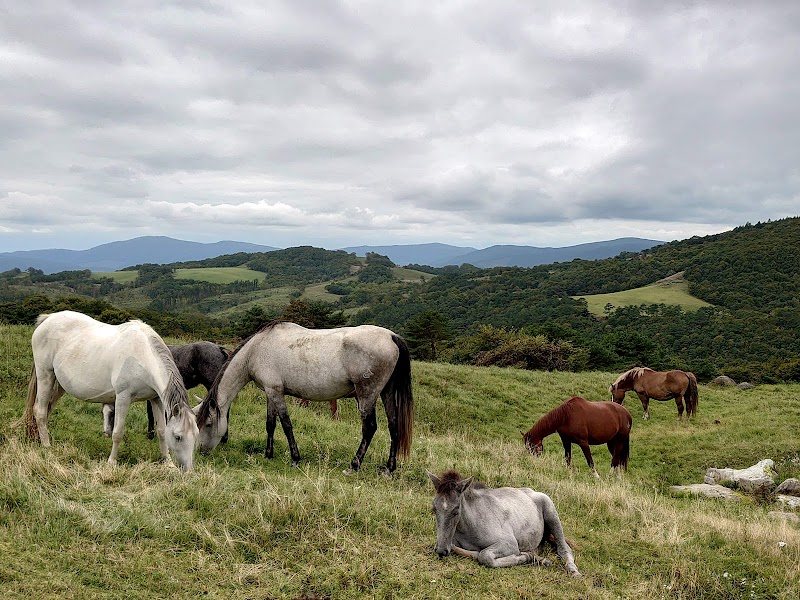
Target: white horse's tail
[31, 429]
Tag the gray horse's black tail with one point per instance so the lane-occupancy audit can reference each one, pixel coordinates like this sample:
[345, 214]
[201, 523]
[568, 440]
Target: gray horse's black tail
[398, 391]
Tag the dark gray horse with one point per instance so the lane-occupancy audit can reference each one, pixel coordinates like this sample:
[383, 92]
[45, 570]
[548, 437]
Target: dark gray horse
[198, 363]
[498, 527]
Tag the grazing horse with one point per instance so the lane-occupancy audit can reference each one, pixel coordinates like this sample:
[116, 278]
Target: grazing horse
[198, 362]
[318, 365]
[659, 385]
[578, 421]
[104, 363]
[498, 527]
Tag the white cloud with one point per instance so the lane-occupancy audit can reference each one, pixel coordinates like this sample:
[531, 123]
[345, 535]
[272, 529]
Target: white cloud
[336, 124]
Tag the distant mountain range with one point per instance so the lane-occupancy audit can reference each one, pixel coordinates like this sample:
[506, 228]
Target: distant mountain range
[117, 255]
[440, 255]
[164, 250]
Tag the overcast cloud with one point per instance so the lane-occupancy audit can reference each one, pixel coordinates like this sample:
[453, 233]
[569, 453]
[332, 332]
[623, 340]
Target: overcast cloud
[344, 123]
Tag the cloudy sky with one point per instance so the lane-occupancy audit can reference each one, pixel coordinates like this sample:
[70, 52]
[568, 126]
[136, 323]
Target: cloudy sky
[338, 123]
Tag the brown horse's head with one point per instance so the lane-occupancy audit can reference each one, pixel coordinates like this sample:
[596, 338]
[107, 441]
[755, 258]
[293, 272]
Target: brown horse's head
[617, 394]
[536, 447]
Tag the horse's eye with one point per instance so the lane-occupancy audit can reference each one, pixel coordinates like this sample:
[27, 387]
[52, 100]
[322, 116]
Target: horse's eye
[178, 438]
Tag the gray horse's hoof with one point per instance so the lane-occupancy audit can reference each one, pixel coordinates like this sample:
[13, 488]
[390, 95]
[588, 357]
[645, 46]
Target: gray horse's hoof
[385, 472]
[348, 472]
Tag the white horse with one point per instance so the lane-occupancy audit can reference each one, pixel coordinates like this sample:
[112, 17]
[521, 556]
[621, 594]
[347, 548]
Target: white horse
[498, 527]
[317, 365]
[104, 363]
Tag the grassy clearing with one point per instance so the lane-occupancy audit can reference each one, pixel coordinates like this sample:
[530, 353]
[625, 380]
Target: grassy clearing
[119, 276]
[220, 274]
[675, 293]
[242, 526]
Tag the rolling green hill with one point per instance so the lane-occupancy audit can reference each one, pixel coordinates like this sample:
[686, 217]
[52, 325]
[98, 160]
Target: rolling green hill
[672, 291]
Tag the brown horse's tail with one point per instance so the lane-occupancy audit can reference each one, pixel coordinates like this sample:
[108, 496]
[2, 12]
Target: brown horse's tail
[398, 391]
[692, 396]
[624, 453]
[31, 429]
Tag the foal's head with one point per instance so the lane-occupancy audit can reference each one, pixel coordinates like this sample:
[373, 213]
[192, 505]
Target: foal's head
[450, 489]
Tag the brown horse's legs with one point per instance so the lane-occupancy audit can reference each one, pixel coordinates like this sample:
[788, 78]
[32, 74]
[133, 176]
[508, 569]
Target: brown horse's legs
[679, 404]
[334, 410]
[567, 449]
[645, 403]
[589, 460]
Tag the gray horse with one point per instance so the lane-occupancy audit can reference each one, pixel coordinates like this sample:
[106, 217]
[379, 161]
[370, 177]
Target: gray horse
[498, 527]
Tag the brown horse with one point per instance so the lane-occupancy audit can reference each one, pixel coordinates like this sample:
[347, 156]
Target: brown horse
[659, 385]
[578, 421]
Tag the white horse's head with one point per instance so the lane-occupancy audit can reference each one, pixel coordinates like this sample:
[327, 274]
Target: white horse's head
[182, 436]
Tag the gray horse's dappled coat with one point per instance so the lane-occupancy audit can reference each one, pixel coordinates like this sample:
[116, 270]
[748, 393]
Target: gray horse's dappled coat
[498, 527]
[283, 358]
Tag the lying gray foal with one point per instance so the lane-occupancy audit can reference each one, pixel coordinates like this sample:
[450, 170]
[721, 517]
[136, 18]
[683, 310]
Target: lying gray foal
[498, 527]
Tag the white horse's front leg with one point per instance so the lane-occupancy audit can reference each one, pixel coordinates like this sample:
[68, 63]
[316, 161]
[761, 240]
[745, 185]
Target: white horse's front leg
[161, 428]
[121, 405]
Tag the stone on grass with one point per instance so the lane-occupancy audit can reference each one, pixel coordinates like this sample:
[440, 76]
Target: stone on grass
[708, 490]
[722, 381]
[791, 502]
[745, 386]
[786, 516]
[790, 487]
[756, 479]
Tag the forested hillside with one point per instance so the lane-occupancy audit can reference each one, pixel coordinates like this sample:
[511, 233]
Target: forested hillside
[524, 317]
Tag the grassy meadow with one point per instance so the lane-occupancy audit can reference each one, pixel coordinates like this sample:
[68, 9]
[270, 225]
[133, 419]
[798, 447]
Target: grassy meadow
[672, 293]
[242, 526]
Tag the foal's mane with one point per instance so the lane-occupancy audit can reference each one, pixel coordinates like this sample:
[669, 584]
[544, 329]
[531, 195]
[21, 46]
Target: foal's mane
[450, 479]
[631, 374]
[211, 397]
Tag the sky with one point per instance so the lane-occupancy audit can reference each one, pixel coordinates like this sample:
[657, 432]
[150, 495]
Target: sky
[342, 123]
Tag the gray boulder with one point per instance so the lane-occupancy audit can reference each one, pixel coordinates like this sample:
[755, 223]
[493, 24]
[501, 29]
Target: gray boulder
[708, 490]
[790, 487]
[745, 386]
[722, 381]
[755, 479]
[790, 502]
[786, 516]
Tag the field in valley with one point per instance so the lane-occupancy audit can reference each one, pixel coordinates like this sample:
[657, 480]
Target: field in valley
[670, 293]
[242, 526]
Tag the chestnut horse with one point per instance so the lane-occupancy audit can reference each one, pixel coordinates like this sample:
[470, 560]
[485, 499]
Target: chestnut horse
[659, 385]
[578, 421]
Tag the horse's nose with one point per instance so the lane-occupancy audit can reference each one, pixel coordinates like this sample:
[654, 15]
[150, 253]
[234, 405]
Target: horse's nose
[442, 552]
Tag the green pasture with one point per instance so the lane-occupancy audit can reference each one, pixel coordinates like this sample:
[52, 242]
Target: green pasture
[242, 526]
[220, 274]
[119, 276]
[676, 293]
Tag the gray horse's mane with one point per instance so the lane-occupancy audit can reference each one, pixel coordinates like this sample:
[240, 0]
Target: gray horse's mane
[631, 374]
[211, 397]
[450, 479]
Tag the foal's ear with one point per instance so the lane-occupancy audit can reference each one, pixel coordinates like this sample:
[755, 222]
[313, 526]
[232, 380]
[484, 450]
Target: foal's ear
[464, 484]
[434, 479]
